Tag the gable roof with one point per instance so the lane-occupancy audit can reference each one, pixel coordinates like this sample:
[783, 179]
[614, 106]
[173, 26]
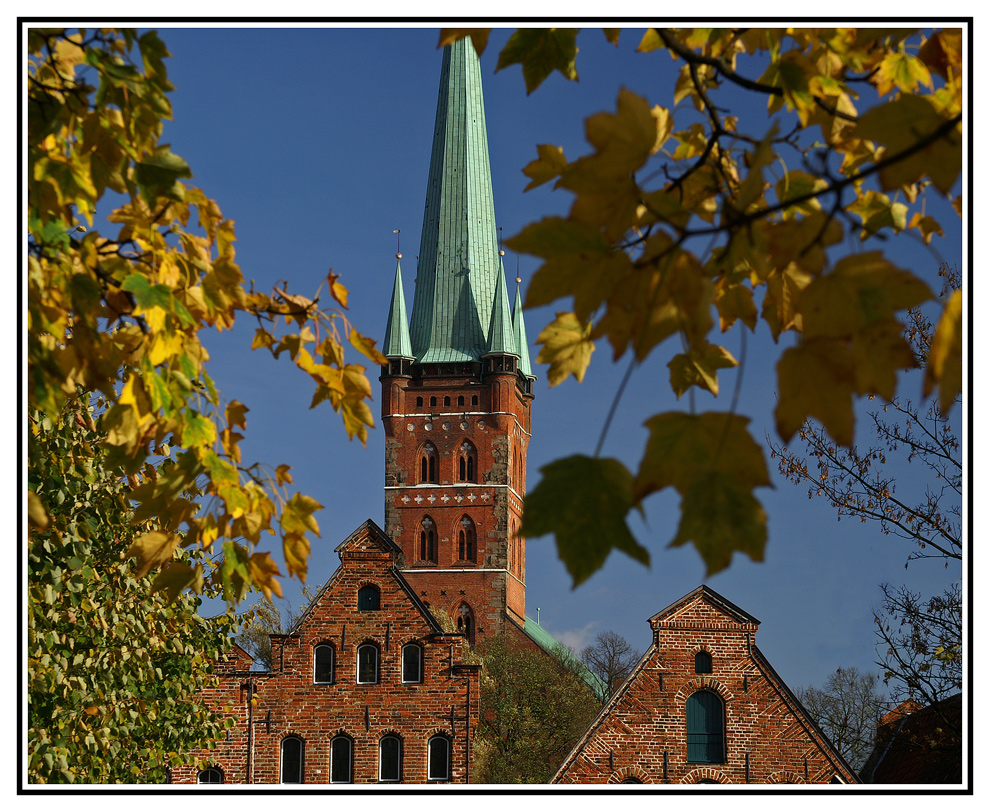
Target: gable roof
[711, 597]
[380, 539]
[375, 534]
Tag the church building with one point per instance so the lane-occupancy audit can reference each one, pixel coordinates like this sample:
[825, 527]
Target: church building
[457, 391]
[376, 682]
[370, 685]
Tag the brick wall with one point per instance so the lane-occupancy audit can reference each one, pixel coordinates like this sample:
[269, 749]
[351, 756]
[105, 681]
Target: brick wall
[289, 703]
[641, 734]
[446, 407]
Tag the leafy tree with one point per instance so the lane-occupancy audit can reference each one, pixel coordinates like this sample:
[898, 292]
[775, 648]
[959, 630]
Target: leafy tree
[848, 707]
[919, 641]
[115, 672]
[535, 706]
[611, 659]
[264, 619]
[861, 483]
[687, 216]
[920, 648]
[120, 285]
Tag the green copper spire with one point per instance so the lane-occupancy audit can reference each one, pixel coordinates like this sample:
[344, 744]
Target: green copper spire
[500, 338]
[519, 334]
[397, 344]
[458, 253]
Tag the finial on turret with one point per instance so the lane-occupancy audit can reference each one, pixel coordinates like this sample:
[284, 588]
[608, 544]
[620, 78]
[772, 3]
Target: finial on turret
[398, 253]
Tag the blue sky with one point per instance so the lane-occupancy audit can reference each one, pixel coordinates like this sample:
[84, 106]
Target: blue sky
[316, 141]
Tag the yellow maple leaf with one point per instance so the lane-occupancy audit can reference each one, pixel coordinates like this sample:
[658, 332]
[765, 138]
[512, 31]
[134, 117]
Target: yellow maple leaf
[567, 347]
[548, 165]
[944, 369]
[816, 379]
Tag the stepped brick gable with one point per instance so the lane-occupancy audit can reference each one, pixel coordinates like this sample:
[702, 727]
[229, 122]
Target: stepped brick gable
[366, 688]
[703, 705]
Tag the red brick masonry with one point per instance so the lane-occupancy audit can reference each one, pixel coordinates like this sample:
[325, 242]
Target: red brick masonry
[641, 734]
[289, 703]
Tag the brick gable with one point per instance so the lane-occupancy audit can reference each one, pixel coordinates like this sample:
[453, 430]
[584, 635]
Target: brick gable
[289, 702]
[641, 734]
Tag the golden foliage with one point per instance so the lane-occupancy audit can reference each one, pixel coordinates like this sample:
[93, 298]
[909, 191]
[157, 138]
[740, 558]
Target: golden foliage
[678, 208]
[117, 306]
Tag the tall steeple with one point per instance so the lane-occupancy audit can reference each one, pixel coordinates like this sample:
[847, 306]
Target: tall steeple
[457, 390]
[458, 254]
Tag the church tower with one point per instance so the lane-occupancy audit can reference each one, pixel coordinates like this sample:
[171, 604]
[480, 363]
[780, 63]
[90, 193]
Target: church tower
[457, 390]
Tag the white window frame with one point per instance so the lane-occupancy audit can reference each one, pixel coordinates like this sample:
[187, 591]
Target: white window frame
[281, 759]
[419, 650]
[333, 663]
[429, 758]
[350, 759]
[378, 664]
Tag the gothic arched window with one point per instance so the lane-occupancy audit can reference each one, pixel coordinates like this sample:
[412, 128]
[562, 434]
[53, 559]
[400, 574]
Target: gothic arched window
[428, 540]
[467, 464]
[467, 540]
[702, 663]
[465, 622]
[428, 464]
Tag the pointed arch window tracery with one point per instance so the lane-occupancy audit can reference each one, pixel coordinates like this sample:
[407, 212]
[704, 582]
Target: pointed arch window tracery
[428, 540]
[467, 540]
[467, 463]
[428, 464]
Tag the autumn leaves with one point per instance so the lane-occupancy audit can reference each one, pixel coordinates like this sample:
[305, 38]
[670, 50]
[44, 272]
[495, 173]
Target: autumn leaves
[738, 215]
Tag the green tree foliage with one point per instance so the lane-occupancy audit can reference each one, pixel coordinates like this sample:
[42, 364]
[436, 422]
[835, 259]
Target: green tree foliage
[534, 707]
[848, 707]
[127, 264]
[115, 670]
[700, 217]
[264, 619]
[611, 659]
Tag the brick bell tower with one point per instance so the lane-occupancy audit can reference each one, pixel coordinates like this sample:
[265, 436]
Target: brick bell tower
[457, 391]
